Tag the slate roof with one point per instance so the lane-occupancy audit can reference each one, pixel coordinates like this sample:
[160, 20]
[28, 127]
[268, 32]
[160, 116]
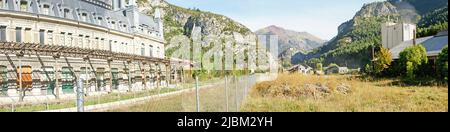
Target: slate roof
[433, 45]
[77, 7]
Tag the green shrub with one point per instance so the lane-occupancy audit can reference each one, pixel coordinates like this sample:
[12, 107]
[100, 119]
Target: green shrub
[412, 59]
[383, 61]
[442, 64]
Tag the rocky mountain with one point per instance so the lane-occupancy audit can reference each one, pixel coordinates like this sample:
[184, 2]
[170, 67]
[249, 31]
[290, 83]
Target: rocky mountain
[352, 46]
[299, 41]
[179, 21]
[291, 42]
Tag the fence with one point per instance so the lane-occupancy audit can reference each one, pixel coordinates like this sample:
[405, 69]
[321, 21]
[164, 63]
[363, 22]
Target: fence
[224, 94]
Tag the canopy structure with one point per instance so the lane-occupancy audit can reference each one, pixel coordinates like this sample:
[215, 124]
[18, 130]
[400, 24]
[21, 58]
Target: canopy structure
[56, 51]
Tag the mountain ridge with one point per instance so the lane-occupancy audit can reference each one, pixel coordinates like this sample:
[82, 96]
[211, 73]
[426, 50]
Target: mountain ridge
[291, 42]
[351, 47]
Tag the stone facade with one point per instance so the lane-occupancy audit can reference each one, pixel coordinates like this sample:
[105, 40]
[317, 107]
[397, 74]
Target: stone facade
[98, 25]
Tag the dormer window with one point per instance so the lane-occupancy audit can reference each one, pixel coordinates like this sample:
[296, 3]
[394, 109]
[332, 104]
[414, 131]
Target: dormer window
[84, 17]
[99, 20]
[113, 25]
[66, 13]
[46, 9]
[23, 5]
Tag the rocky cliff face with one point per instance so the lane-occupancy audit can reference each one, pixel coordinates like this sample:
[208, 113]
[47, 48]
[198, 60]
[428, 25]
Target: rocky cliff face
[292, 42]
[179, 21]
[376, 9]
[299, 41]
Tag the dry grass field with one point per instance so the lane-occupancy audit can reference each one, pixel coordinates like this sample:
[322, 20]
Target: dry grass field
[304, 93]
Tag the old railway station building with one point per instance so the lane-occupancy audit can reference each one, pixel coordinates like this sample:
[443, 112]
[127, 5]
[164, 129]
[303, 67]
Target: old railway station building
[47, 45]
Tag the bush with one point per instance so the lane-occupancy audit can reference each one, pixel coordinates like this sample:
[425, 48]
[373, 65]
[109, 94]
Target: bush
[368, 69]
[319, 67]
[442, 65]
[383, 61]
[412, 59]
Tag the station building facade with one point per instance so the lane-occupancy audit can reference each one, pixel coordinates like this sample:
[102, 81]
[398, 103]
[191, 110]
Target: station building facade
[59, 28]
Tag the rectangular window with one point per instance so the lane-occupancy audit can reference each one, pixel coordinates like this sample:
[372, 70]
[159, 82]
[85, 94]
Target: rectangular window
[151, 50]
[18, 34]
[143, 50]
[50, 37]
[2, 33]
[80, 41]
[1, 3]
[157, 52]
[97, 43]
[110, 45]
[70, 40]
[27, 35]
[88, 43]
[42, 37]
[62, 39]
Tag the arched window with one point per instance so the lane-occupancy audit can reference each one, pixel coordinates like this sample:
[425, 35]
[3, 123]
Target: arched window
[67, 79]
[48, 79]
[3, 80]
[100, 77]
[26, 79]
[115, 78]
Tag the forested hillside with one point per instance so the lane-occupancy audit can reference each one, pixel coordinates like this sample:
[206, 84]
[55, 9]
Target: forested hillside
[352, 46]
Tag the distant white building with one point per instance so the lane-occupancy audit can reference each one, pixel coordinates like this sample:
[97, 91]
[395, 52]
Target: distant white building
[336, 70]
[300, 69]
[395, 33]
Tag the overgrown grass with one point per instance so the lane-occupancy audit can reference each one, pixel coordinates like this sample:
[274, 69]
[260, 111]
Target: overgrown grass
[364, 96]
[94, 99]
[212, 99]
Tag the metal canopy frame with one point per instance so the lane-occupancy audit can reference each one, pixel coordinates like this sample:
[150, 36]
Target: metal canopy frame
[56, 51]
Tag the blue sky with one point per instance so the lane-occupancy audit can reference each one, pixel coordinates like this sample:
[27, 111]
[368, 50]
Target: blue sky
[318, 17]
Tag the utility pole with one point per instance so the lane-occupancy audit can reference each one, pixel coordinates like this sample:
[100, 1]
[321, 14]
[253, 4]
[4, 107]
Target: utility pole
[373, 58]
[21, 91]
[129, 75]
[86, 73]
[56, 57]
[226, 92]
[236, 93]
[80, 95]
[197, 94]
